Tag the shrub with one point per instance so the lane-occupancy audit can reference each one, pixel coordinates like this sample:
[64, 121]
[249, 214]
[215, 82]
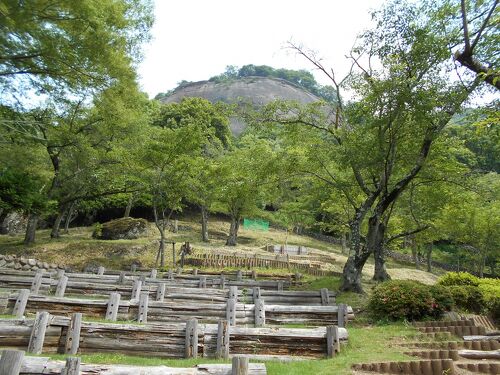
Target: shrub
[443, 299]
[467, 297]
[490, 289]
[399, 299]
[458, 278]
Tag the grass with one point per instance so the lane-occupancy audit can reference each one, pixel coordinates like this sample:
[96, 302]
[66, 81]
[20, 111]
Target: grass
[366, 344]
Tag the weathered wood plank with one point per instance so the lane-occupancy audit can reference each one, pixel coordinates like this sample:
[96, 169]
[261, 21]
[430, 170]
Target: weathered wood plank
[72, 366]
[239, 366]
[11, 361]
[113, 305]
[191, 345]
[222, 350]
[38, 332]
[21, 301]
[72, 343]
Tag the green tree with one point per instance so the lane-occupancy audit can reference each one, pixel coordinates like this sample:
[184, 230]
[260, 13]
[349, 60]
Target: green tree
[246, 180]
[51, 47]
[385, 135]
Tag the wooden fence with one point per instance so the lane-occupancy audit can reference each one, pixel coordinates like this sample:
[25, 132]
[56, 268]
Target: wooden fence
[226, 260]
[15, 362]
[143, 309]
[104, 285]
[54, 334]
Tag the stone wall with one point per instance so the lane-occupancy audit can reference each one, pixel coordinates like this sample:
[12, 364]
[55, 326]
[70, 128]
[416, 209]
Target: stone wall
[22, 263]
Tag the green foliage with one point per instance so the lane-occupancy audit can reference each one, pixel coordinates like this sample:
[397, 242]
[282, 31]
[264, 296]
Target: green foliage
[20, 190]
[404, 299]
[467, 297]
[302, 78]
[472, 293]
[53, 46]
[458, 278]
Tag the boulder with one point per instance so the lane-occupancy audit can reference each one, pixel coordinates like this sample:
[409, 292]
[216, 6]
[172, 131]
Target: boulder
[14, 223]
[126, 228]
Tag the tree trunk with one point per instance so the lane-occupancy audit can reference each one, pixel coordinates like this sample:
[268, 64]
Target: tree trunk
[375, 245]
[429, 257]
[54, 233]
[414, 253]
[233, 231]
[29, 237]
[344, 243]
[351, 275]
[204, 224]
[69, 218]
[129, 206]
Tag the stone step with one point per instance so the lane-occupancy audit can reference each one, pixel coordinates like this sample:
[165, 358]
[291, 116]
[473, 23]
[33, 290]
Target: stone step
[435, 354]
[446, 323]
[482, 367]
[454, 345]
[424, 367]
[456, 330]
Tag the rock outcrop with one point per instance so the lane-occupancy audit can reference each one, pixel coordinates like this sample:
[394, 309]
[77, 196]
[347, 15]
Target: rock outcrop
[126, 228]
[255, 90]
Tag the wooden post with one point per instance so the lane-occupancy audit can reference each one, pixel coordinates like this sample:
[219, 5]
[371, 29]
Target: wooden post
[61, 286]
[191, 347]
[332, 341]
[254, 275]
[154, 272]
[60, 273]
[37, 282]
[136, 290]
[280, 286]
[239, 366]
[100, 270]
[173, 253]
[239, 275]
[170, 275]
[11, 362]
[143, 279]
[160, 292]
[195, 271]
[222, 282]
[37, 337]
[325, 297]
[21, 301]
[260, 312]
[222, 350]
[72, 366]
[121, 278]
[142, 316]
[256, 293]
[133, 267]
[179, 271]
[231, 311]
[113, 306]
[203, 282]
[73, 335]
[233, 293]
[342, 315]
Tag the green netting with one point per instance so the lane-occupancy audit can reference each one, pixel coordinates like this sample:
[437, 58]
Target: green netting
[255, 224]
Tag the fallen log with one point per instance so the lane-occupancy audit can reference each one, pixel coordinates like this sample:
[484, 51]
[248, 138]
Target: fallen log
[479, 354]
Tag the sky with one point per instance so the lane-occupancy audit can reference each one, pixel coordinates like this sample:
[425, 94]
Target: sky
[194, 40]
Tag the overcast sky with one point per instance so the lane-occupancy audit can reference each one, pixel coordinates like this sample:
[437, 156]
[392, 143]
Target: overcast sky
[196, 39]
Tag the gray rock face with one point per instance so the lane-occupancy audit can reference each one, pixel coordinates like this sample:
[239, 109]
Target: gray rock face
[14, 223]
[126, 228]
[255, 90]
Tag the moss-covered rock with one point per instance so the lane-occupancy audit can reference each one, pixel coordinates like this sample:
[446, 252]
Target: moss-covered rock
[126, 228]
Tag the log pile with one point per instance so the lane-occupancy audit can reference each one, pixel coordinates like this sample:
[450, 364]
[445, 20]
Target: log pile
[41, 365]
[181, 310]
[169, 340]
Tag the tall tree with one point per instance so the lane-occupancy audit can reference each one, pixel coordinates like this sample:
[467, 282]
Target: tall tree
[405, 92]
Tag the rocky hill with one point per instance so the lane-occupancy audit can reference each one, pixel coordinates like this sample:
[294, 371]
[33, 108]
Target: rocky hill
[256, 90]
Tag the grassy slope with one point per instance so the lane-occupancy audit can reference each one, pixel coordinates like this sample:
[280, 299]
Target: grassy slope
[366, 342]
